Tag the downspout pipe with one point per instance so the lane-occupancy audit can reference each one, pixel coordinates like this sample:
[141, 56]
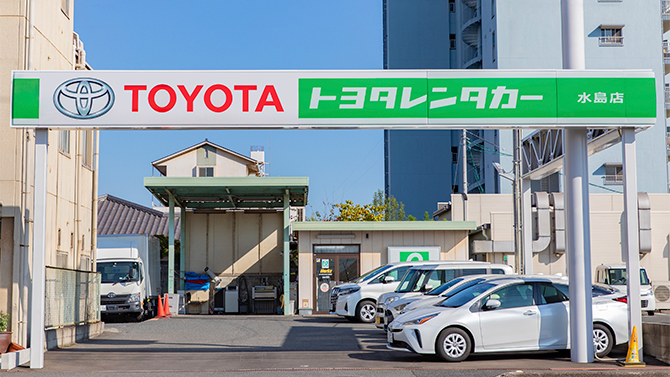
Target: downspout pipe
[541, 203]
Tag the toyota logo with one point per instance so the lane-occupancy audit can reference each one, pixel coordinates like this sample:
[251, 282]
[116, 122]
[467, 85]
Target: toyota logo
[111, 294]
[84, 98]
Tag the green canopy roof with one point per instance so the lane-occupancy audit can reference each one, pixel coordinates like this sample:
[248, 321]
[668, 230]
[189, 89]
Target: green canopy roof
[229, 192]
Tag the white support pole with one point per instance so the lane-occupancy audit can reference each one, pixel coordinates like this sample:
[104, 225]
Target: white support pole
[287, 254]
[171, 246]
[527, 228]
[39, 250]
[577, 227]
[632, 242]
[519, 256]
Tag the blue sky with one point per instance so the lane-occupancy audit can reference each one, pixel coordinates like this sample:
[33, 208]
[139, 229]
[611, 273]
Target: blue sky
[250, 34]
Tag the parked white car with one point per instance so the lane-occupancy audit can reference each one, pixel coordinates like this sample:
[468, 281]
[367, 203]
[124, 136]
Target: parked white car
[357, 299]
[518, 313]
[422, 279]
[615, 276]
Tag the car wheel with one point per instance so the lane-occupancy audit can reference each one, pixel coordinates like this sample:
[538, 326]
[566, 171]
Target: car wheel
[453, 344]
[603, 341]
[366, 311]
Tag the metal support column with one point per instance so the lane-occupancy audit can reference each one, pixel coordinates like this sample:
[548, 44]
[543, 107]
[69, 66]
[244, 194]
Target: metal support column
[287, 255]
[577, 224]
[182, 247]
[38, 288]
[464, 156]
[171, 246]
[519, 257]
[527, 228]
[632, 242]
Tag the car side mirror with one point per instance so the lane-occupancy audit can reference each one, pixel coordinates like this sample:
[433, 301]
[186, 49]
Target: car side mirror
[389, 279]
[426, 288]
[492, 304]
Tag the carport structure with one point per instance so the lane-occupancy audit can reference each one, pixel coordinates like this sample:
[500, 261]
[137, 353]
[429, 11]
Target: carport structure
[227, 193]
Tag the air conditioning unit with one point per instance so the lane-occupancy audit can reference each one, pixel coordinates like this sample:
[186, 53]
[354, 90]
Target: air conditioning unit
[662, 294]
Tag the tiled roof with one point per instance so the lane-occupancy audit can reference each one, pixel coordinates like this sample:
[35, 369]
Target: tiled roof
[118, 216]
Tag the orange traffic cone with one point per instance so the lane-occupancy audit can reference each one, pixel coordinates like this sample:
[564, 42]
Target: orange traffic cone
[167, 307]
[633, 357]
[161, 312]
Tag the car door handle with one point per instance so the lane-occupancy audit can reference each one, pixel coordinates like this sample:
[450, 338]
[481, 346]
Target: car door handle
[529, 312]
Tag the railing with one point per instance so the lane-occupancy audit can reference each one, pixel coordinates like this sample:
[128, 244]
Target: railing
[468, 14]
[614, 179]
[612, 40]
[72, 297]
[469, 53]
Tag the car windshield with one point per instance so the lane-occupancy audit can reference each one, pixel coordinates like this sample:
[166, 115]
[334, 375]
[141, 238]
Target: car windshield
[370, 274]
[439, 290]
[617, 276]
[415, 280]
[462, 287]
[466, 295]
[117, 272]
[408, 280]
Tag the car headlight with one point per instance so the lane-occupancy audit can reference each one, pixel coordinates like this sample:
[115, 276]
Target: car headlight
[346, 291]
[400, 307]
[134, 297]
[389, 300]
[421, 320]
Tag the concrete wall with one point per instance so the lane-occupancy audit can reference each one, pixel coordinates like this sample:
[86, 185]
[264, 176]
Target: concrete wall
[606, 231]
[70, 184]
[235, 243]
[374, 250]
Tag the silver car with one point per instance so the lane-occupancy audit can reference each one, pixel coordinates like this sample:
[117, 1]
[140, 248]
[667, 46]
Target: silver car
[517, 313]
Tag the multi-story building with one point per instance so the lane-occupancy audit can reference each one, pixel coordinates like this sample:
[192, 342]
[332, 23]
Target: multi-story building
[423, 166]
[45, 42]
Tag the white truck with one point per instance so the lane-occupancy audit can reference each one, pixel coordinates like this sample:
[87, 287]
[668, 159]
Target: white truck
[130, 275]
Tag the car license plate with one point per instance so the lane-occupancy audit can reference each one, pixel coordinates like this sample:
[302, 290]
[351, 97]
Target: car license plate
[103, 308]
[389, 336]
[379, 320]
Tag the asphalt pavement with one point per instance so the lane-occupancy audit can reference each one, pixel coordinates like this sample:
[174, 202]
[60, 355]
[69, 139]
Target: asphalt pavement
[273, 345]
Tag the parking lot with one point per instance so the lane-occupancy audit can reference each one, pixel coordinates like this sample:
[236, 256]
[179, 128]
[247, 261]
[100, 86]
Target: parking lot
[277, 345]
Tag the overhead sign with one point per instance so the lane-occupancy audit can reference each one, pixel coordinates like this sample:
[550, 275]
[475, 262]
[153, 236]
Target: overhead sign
[413, 253]
[332, 99]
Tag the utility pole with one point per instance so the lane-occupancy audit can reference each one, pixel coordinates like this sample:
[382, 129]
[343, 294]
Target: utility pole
[519, 257]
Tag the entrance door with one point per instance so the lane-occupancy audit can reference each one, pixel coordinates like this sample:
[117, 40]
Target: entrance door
[332, 269]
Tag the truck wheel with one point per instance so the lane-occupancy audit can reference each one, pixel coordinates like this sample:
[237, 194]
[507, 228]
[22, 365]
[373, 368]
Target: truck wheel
[366, 311]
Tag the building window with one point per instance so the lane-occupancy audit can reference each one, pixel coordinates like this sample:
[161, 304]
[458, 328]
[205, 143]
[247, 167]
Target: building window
[65, 7]
[613, 174]
[87, 148]
[71, 241]
[493, 46]
[58, 238]
[205, 171]
[611, 35]
[64, 142]
[454, 155]
[83, 238]
[452, 41]
[493, 8]
[452, 6]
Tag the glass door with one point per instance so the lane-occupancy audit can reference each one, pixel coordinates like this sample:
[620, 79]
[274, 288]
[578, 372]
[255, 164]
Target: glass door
[330, 270]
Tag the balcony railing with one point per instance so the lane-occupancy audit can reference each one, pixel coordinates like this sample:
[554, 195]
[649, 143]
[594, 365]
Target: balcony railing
[612, 40]
[469, 53]
[469, 14]
[614, 179]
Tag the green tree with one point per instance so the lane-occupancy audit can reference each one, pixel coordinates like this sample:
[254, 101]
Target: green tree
[393, 210]
[165, 244]
[427, 217]
[356, 212]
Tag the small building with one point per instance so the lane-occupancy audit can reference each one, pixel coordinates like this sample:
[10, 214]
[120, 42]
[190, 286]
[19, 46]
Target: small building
[364, 245]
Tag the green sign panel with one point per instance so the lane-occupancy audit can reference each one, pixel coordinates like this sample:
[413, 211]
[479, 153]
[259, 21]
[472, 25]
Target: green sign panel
[472, 98]
[412, 256]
